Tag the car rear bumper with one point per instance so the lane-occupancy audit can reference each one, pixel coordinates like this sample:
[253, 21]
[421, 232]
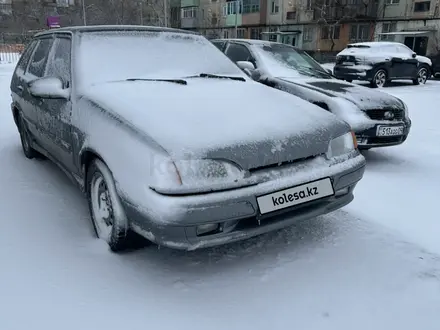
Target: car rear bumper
[369, 138]
[352, 73]
[174, 221]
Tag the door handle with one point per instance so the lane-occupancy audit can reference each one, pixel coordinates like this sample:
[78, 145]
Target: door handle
[20, 87]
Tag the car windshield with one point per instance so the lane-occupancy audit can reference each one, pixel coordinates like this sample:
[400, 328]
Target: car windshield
[286, 61]
[119, 55]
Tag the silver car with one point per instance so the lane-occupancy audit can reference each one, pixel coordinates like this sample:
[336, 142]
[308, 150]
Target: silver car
[169, 139]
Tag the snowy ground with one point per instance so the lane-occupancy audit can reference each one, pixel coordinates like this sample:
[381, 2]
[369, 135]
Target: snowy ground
[373, 265]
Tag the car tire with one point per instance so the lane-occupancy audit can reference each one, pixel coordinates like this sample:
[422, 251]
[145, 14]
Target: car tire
[422, 76]
[26, 141]
[380, 78]
[106, 211]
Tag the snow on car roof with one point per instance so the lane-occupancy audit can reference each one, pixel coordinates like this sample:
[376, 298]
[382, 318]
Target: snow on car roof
[103, 28]
[372, 43]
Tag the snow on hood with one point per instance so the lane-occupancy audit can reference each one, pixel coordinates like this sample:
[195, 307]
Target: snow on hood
[213, 113]
[349, 101]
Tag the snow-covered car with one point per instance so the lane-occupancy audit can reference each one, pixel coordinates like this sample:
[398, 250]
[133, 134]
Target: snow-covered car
[137, 117]
[380, 62]
[377, 118]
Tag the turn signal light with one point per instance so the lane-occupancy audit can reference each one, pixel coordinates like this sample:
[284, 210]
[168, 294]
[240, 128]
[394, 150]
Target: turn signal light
[355, 142]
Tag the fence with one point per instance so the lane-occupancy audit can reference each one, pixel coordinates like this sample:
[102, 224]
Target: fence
[10, 53]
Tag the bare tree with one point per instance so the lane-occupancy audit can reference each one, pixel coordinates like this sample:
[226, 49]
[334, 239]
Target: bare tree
[330, 14]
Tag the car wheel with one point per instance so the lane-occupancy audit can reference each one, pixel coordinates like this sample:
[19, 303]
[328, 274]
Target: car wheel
[422, 76]
[26, 142]
[106, 211]
[379, 79]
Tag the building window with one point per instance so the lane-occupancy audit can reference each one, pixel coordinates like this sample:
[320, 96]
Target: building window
[272, 35]
[388, 28]
[226, 34]
[330, 32]
[241, 33]
[255, 33]
[422, 6]
[291, 15]
[231, 8]
[274, 7]
[360, 32]
[251, 6]
[189, 12]
[308, 4]
[392, 2]
[308, 34]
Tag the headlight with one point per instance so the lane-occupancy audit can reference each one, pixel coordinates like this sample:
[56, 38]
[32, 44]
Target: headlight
[200, 175]
[208, 171]
[342, 145]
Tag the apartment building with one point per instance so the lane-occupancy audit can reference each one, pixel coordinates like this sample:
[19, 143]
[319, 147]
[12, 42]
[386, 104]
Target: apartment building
[416, 23]
[325, 25]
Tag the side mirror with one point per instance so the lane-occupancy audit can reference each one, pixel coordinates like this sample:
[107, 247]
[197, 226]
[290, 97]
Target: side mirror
[246, 66]
[330, 72]
[48, 88]
[414, 55]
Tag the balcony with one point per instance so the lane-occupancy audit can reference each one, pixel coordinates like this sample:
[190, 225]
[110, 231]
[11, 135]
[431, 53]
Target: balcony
[189, 3]
[233, 11]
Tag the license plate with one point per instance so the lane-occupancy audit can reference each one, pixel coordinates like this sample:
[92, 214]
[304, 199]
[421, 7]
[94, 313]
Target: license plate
[389, 130]
[348, 63]
[296, 195]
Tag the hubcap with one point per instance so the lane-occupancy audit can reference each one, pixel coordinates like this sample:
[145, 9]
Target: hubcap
[422, 76]
[380, 78]
[101, 207]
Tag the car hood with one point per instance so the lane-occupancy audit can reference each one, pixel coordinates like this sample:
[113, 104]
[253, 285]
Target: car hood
[244, 122]
[364, 98]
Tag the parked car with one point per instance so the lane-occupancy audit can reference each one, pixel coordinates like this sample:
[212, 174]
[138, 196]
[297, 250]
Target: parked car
[137, 117]
[381, 62]
[436, 66]
[377, 118]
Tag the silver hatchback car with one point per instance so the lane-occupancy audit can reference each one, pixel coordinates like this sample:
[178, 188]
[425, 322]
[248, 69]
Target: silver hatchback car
[152, 124]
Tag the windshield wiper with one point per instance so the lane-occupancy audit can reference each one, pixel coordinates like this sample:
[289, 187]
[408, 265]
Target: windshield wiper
[176, 81]
[214, 76]
[315, 71]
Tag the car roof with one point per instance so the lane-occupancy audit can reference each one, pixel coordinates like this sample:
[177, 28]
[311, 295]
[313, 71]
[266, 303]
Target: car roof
[253, 42]
[374, 43]
[103, 28]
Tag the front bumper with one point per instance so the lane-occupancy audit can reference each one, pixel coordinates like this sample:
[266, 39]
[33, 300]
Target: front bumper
[352, 73]
[173, 222]
[369, 139]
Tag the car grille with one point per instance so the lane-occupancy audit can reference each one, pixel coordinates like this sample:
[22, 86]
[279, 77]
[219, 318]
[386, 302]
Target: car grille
[384, 139]
[379, 114]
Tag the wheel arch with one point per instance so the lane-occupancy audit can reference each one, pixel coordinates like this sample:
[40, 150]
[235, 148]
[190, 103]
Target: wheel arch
[86, 157]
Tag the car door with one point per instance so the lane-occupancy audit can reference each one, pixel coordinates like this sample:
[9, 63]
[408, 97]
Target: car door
[410, 62]
[18, 92]
[56, 113]
[31, 106]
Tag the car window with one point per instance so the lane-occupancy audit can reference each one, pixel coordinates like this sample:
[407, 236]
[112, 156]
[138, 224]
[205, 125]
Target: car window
[405, 50]
[59, 64]
[39, 58]
[219, 44]
[24, 59]
[238, 52]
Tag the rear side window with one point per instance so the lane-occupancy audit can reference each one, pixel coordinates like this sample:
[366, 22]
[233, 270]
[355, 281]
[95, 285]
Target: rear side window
[24, 59]
[39, 58]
